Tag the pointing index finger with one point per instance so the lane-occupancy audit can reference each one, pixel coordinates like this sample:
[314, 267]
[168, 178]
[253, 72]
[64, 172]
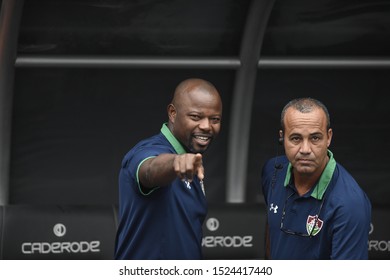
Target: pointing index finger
[199, 166]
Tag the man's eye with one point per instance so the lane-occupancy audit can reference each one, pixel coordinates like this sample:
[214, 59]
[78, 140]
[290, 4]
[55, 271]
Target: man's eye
[195, 117]
[215, 120]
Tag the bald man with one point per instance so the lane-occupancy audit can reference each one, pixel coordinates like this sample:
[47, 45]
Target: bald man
[162, 202]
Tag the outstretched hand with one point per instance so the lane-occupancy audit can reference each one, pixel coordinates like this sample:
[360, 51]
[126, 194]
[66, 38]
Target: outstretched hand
[187, 166]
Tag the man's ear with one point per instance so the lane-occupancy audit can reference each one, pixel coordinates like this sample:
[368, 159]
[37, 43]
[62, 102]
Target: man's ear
[171, 113]
[330, 134]
[281, 137]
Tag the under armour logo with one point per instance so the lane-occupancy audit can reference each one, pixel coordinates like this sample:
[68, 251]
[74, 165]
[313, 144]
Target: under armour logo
[188, 184]
[274, 208]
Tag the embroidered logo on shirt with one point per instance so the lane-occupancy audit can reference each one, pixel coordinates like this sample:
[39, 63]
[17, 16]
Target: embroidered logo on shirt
[188, 184]
[310, 224]
[274, 208]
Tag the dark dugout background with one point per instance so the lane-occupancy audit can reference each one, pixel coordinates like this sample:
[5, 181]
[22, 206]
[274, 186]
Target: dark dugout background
[73, 117]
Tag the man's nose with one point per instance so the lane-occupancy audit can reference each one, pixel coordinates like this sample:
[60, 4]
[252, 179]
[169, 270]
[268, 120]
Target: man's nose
[205, 124]
[305, 147]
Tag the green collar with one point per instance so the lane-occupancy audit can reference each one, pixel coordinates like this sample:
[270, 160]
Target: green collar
[326, 176]
[174, 142]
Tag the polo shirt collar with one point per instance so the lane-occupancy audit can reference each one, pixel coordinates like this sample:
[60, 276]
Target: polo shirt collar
[174, 142]
[326, 176]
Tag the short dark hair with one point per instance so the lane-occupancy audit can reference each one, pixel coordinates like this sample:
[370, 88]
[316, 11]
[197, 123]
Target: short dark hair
[305, 105]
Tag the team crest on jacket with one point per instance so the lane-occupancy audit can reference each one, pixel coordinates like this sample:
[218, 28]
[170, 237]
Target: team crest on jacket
[310, 224]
